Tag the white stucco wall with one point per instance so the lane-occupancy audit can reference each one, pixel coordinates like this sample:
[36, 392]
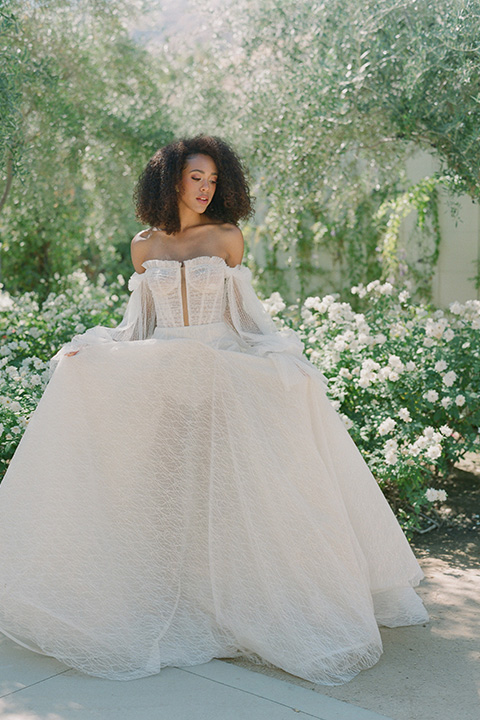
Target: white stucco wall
[460, 246]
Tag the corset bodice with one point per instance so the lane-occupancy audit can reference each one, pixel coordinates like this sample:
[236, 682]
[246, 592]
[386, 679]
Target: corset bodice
[199, 283]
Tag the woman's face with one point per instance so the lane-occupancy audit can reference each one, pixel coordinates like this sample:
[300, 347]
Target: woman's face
[199, 178]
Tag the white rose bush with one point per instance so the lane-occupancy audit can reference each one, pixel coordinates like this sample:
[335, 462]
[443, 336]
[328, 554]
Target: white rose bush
[405, 379]
[30, 334]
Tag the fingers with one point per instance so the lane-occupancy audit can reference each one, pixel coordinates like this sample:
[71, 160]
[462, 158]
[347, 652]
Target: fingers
[69, 354]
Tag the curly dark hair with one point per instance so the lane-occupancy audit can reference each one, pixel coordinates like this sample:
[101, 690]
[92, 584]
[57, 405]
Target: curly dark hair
[155, 197]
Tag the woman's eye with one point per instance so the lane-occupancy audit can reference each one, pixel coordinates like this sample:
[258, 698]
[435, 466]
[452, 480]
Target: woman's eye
[214, 182]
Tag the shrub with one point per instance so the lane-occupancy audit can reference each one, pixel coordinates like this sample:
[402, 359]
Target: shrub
[31, 334]
[406, 380]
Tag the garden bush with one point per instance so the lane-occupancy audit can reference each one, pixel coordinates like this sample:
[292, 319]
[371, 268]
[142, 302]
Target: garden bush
[404, 377]
[31, 333]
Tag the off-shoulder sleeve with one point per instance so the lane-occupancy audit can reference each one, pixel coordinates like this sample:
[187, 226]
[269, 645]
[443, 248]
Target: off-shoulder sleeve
[245, 313]
[138, 322]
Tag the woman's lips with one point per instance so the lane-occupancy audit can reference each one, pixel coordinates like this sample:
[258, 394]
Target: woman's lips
[203, 200]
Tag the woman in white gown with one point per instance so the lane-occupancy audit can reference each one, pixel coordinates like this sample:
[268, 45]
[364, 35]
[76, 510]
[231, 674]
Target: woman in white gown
[185, 489]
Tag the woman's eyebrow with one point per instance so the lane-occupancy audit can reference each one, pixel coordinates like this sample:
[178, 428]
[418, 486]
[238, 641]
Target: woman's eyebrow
[203, 171]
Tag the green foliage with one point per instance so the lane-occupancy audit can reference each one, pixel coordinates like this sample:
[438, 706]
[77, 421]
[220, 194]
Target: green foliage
[404, 377]
[327, 100]
[12, 61]
[90, 117]
[31, 333]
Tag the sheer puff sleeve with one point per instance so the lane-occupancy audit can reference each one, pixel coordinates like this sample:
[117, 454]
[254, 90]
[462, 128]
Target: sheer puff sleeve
[246, 315]
[138, 322]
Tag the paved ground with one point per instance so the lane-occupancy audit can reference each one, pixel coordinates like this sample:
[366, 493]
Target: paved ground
[426, 673]
[33, 687]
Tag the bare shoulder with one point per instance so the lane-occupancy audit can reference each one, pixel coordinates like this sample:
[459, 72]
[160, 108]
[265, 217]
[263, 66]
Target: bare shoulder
[232, 241]
[140, 247]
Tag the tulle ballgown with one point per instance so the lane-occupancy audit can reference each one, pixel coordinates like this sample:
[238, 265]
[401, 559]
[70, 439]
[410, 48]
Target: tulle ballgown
[185, 492]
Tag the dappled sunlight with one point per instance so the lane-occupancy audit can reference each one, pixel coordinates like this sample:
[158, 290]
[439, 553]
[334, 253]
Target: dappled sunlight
[453, 597]
[13, 709]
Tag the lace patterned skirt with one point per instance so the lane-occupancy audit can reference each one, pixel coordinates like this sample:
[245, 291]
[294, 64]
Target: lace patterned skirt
[180, 498]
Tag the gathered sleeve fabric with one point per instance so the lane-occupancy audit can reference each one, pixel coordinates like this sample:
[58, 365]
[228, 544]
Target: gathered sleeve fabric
[138, 323]
[245, 313]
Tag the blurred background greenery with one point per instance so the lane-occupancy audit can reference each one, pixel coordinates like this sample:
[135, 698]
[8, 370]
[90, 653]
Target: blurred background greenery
[326, 101]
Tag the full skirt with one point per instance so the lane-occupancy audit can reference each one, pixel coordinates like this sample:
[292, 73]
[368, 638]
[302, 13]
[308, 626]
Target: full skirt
[178, 499]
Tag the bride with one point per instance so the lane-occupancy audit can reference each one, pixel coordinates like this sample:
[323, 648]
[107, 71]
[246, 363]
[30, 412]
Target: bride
[185, 489]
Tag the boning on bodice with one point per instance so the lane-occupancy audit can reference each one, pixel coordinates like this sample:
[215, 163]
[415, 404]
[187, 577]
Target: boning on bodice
[214, 292]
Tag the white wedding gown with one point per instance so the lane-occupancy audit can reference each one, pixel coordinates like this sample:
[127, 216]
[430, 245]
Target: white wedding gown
[188, 492]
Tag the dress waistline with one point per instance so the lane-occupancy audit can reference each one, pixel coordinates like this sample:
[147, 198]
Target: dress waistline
[207, 332]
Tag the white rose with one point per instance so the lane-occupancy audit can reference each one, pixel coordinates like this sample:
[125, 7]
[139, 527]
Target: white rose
[449, 378]
[431, 396]
[456, 308]
[370, 364]
[404, 414]
[364, 381]
[434, 452]
[391, 457]
[307, 316]
[448, 335]
[446, 402]
[383, 373]
[364, 339]
[340, 344]
[433, 495]
[460, 400]
[386, 426]
[445, 430]
[386, 288]
[310, 302]
[440, 366]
